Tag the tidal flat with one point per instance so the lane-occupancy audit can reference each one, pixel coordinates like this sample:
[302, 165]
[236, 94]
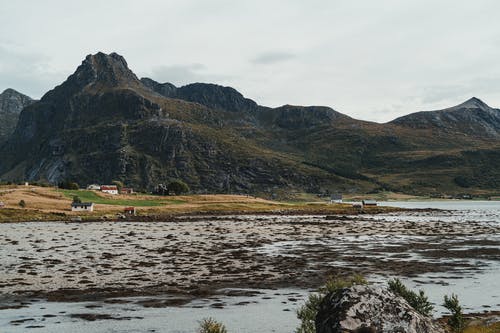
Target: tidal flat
[227, 263]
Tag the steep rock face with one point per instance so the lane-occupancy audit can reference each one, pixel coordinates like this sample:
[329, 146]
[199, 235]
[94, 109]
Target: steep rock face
[473, 117]
[164, 89]
[11, 105]
[102, 124]
[216, 97]
[367, 309]
[294, 117]
[210, 95]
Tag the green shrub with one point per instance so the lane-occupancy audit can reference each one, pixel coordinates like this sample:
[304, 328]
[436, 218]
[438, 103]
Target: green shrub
[76, 199]
[22, 203]
[119, 184]
[67, 185]
[307, 312]
[40, 183]
[419, 301]
[177, 187]
[456, 320]
[210, 325]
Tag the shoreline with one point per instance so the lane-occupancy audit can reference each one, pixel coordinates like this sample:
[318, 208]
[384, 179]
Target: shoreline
[173, 216]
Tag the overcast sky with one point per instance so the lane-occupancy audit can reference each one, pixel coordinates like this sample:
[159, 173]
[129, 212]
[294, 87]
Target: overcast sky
[373, 60]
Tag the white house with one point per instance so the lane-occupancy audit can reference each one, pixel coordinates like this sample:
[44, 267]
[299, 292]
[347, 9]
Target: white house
[82, 206]
[2, 205]
[111, 189]
[94, 187]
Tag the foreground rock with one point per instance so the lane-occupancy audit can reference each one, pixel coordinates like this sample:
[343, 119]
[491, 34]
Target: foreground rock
[371, 310]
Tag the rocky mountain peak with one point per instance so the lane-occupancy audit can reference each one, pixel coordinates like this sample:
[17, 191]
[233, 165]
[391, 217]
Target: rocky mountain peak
[110, 69]
[9, 92]
[472, 103]
[473, 118]
[12, 101]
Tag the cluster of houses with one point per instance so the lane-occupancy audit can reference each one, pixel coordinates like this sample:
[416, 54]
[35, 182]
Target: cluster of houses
[110, 189]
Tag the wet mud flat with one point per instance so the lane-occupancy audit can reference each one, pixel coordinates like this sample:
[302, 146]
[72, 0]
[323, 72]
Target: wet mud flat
[171, 274]
[195, 256]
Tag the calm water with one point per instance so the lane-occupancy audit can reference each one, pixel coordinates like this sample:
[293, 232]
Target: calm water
[274, 310]
[270, 311]
[466, 205]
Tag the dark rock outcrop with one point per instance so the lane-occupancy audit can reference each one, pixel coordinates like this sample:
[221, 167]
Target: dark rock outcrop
[11, 105]
[103, 124]
[368, 309]
[293, 117]
[210, 95]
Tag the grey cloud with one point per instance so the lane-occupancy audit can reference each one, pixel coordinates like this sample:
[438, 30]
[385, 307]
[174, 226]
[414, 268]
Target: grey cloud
[184, 74]
[272, 58]
[178, 74]
[476, 87]
[365, 59]
[26, 72]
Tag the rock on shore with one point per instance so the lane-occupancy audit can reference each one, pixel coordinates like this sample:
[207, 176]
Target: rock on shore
[371, 310]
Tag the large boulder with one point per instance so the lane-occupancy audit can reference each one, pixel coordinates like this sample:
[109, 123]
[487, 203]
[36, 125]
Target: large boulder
[368, 309]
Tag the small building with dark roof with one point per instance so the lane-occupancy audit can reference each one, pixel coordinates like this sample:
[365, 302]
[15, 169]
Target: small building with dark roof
[82, 207]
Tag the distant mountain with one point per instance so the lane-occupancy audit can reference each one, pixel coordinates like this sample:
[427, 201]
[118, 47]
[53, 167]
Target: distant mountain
[473, 118]
[104, 124]
[11, 104]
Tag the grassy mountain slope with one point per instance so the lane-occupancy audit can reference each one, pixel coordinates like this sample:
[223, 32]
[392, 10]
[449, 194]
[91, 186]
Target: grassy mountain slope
[103, 123]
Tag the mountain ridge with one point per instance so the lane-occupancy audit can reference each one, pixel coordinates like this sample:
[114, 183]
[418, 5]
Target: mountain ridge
[472, 117]
[104, 124]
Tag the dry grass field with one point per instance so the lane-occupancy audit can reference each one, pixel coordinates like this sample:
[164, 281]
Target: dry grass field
[47, 203]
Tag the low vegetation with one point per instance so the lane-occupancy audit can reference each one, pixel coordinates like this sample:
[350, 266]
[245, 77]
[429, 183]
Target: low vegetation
[210, 325]
[119, 184]
[418, 301]
[491, 328]
[68, 185]
[456, 321]
[178, 187]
